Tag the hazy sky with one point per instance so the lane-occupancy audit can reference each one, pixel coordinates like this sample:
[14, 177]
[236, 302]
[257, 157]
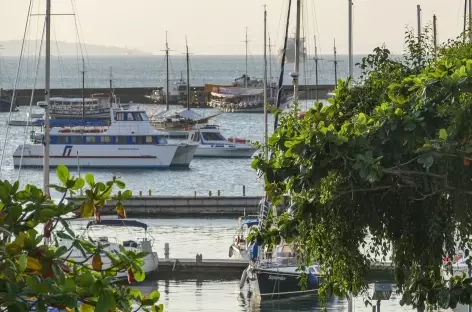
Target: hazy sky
[218, 26]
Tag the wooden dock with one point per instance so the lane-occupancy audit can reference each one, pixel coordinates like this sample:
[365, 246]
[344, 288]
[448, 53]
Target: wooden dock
[185, 206]
[212, 268]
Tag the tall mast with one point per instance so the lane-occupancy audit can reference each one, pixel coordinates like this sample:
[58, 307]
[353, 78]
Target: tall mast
[435, 34]
[335, 66]
[266, 152]
[418, 20]
[245, 79]
[188, 76]
[470, 20]
[270, 69]
[316, 68]
[167, 74]
[465, 19]
[351, 61]
[83, 89]
[47, 90]
[112, 95]
[297, 54]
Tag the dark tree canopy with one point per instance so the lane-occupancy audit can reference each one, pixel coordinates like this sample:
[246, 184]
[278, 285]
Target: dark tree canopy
[382, 171]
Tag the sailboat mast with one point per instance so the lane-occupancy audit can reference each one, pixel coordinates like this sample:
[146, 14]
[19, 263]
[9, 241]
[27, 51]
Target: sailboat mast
[47, 90]
[167, 74]
[188, 76]
[266, 152]
[245, 78]
[297, 54]
[270, 69]
[83, 89]
[316, 68]
[112, 95]
[351, 61]
[335, 66]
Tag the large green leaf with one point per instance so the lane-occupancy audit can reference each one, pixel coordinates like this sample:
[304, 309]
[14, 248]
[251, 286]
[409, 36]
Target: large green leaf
[62, 174]
[106, 301]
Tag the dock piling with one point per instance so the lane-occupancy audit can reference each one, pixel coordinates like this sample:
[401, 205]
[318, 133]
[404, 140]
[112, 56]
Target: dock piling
[166, 251]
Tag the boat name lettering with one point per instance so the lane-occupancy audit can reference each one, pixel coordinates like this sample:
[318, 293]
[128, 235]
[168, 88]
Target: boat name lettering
[277, 278]
[128, 149]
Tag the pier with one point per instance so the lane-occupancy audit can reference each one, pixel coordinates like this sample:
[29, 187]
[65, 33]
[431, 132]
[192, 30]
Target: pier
[184, 206]
[176, 267]
[137, 95]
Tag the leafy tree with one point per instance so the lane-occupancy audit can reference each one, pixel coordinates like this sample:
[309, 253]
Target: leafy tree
[35, 275]
[382, 172]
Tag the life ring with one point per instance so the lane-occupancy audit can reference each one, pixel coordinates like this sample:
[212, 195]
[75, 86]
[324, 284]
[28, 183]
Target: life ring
[230, 253]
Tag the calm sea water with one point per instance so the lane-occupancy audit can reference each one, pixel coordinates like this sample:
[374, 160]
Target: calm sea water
[187, 237]
[149, 71]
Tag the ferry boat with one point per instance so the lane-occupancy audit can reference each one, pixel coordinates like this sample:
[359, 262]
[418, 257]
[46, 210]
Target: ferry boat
[214, 144]
[95, 108]
[129, 142]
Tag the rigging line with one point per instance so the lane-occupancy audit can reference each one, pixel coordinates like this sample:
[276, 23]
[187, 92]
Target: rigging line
[59, 60]
[77, 43]
[85, 46]
[38, 61]
[61, 69]
[16, 84]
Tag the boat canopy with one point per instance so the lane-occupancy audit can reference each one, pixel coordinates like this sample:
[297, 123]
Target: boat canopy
[250, 223]
[119, 222]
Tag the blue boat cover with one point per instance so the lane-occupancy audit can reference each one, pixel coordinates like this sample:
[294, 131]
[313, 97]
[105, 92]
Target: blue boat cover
[118, 222]
[72, 122]
[250, 223]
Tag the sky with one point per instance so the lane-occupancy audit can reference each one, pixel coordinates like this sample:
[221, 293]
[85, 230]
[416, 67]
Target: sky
[217, 27]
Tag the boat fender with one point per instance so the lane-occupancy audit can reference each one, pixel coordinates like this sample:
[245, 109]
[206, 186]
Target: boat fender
[243, 279]
[230, 253]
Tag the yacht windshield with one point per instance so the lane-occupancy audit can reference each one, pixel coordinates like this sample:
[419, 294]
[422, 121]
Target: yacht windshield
[213, 136]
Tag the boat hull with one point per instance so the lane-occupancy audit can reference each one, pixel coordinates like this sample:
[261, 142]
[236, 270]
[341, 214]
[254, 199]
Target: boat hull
[224, 152]
[273, 283]
[107, 156]
[5, 106]
[184, 155]
[238, 254]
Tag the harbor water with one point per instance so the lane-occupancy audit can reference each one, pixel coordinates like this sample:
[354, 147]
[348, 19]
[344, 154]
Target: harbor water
[187, 237]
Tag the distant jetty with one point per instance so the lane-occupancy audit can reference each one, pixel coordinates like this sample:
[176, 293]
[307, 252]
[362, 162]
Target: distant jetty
[138, 95]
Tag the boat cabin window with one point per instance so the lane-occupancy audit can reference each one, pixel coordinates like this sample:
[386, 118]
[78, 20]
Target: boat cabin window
[61, 139]
[130, 116]
[90, 139]
[149, 139]
[106, 140]
[195, 137]
[76, 139]
[213, 136]
[120, 140]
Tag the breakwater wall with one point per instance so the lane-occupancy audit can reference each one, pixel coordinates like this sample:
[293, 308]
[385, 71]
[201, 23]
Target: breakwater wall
[138, 95]
[184, 206]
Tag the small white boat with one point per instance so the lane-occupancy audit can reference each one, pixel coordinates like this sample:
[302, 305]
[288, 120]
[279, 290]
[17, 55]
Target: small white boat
[214, 144]
[239, 249]
[129, 142]
[141, 244]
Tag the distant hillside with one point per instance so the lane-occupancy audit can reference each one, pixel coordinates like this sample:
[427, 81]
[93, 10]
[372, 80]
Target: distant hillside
[12, 48]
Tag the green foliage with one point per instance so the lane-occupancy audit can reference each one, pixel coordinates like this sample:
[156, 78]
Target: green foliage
[382, 173]
[33, 273]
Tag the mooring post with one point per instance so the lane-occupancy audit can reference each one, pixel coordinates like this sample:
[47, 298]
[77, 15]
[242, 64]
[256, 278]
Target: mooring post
[244, 190]
[166, 251]
[219, 193]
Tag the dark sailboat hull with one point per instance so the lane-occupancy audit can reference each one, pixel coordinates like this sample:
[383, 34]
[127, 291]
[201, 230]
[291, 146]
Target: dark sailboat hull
[5, 106]
[270, 284]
